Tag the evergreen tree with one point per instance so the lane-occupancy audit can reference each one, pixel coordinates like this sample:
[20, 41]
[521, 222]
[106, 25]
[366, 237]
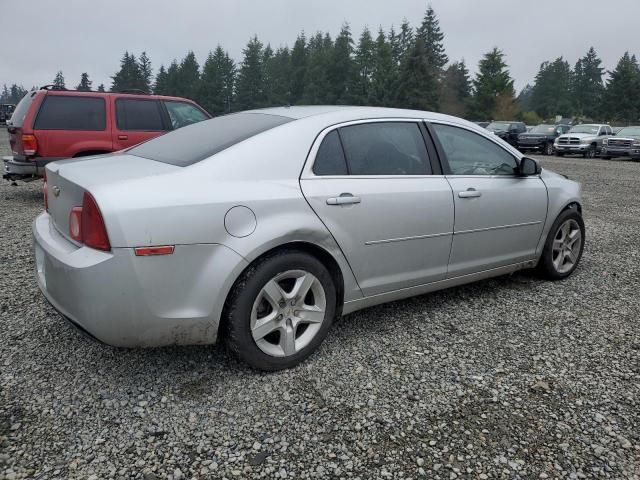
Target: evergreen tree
[85, 83]
[433, 37]
[147, 72]
[341, 67]
[552, 90]
[129, 77]
[278, 70]
[173, 79]
[250, 83]
[621, 96]
[364, 66]
[588, 87]
[316, 90]
[160, 85]
[58, 81]
[492, 80]
[101, 87]
[456, 90]
[394, 42]
[417, 85]
[298, 68]
[189, 77]
[405, 40]
[12, 94]
[216, 83]
[385, 72]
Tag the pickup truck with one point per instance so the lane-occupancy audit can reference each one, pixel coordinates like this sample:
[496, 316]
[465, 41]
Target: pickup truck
[585, 139]
[626, 143]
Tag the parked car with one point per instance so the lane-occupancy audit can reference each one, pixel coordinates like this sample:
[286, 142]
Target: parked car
[626, 143]
[508, 131]
[6, 109]
[260, 227]
[51, 124]
[541, 137]
[585, 139]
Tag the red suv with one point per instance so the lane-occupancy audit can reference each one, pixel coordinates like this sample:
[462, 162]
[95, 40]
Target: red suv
[50, 124]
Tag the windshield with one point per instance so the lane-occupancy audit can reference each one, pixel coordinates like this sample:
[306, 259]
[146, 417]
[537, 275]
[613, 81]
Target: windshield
[593, 129]
[629, 132]
[543, 129]
[194, 143]
[17, 119]
[498, 126]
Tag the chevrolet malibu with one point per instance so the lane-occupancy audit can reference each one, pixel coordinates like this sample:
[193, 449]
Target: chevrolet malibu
[259, 228]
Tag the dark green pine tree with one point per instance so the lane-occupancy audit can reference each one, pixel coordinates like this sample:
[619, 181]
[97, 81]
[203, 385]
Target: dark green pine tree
[299, 61]
[144, 62]
[417, 83]
[341, 67]
[456, 90]
[101, 87]
[267, 56]
[58, 81]
[85, 83]
[552, 89]
[405, 40]
[621, 96]
[129, 77]
[278, 70]
[525, 99]
[160, 85]
[173, 79]
[493, 87]
[433, 37]
[189, 77]
[317, 87]
[394, 42]
[385, 72]
[250, 83]
[216, 83]
[587, 85]
[364, 65]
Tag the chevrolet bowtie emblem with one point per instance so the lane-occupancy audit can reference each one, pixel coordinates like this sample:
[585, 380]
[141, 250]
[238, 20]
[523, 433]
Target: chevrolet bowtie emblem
[56, 191]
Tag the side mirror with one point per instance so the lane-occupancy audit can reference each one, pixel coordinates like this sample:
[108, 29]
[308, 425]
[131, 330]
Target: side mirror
[528, 166]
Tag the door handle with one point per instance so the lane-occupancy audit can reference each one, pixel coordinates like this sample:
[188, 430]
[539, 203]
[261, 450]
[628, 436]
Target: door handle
[470, 193]
[123, 137]
[343, 199]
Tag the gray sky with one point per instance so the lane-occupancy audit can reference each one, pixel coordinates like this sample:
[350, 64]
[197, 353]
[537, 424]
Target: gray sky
[44, 36]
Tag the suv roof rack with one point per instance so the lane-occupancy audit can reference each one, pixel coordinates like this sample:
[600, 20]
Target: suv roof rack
[51, 87]
[135, 91]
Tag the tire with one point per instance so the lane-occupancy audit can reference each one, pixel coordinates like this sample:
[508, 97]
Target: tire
[264, 328]
[591, 153]
[548, 149]
[553, 263]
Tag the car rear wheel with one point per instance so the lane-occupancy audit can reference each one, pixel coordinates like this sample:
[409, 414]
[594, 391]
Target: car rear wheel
[548, 149]
[563, 249]
[280, 310]
[590, 153]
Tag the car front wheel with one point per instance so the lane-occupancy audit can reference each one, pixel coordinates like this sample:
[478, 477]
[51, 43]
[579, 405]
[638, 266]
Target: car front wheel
[548, 149]
[591, 152]
[563, 249]
[280, 310]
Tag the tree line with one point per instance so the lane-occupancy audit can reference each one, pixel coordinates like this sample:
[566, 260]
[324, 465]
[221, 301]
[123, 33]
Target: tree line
[404, 68]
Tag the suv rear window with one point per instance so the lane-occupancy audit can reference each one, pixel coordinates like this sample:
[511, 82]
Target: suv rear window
[19, 114]
[61, 112]
[141, 115]
[198, 141]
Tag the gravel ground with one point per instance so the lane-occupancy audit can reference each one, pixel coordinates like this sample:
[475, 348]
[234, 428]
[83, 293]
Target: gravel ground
[508, 378]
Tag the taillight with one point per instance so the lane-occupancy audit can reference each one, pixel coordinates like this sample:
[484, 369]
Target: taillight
[86, 224]
[29, 144]
[45, 192]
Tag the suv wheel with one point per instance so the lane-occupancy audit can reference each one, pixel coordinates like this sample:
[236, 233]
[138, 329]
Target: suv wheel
[563, 249]
[590, 153]
[280, 310]
[548, 149]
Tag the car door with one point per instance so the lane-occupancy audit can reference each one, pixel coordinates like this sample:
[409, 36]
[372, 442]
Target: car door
[137, 120]
[499, 215]
[372, 184]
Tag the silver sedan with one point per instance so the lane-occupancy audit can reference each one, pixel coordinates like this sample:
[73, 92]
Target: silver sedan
[259, 228]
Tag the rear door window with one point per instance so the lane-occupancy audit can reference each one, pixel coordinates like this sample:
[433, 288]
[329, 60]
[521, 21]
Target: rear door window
[182, 114]
[385, 148]
[330, 157]
[62, 112]
[139, 114]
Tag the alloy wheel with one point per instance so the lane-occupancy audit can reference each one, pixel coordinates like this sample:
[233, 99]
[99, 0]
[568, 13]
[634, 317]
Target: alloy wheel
[288, 313]
[566, 246]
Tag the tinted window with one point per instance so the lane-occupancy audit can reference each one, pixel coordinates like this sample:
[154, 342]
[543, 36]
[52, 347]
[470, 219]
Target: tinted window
[182, 114]
[471, 154]
[330, 158]
[60, 112]
[196, 142]
[133, 114]
[386, 148]
[18, 115]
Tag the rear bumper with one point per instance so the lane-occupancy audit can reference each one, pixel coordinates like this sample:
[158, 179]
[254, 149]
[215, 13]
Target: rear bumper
[22, 169]
[128, 301]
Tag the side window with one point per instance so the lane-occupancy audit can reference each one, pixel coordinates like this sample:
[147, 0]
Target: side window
[62, 112]
[385, 148]
[182, 114]
[330, 158]
[135, 114]
[608, 131]
[471, 154]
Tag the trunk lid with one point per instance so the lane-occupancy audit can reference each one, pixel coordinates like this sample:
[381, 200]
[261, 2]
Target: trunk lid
[67, 180]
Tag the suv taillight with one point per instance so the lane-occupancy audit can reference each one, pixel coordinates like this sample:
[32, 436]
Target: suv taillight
[45, 191]
[86, 224]
[29, 144]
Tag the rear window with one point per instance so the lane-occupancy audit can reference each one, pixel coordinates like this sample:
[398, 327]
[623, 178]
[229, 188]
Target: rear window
[140, 115]
[60, 112]
[19, 114]
[198, 141]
